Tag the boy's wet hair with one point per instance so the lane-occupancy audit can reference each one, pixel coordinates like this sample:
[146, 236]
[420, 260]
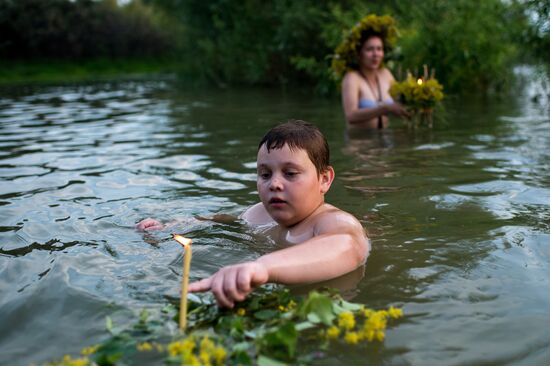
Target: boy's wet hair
[300, 135]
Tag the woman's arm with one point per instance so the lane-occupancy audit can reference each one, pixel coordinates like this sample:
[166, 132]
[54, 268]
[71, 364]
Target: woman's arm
[350, 102]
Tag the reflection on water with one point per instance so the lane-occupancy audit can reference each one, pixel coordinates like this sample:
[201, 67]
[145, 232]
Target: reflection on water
[458, 216]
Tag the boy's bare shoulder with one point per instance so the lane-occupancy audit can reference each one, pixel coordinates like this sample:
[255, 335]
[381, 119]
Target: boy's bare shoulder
[257, 215]
[334, 220]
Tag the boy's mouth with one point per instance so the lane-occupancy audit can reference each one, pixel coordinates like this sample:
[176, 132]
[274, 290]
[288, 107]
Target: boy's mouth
[276, 201]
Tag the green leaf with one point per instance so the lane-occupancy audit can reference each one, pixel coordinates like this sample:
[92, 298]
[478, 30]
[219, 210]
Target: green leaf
[109, 324]
[318, 309]
[266, 314]
[266, 361]
[109, 360]
[284, 339]
[342, 305]
[168, 308]
[304, 325]
[143, 316]
[241, 346]
[313, 318]
[241, 358]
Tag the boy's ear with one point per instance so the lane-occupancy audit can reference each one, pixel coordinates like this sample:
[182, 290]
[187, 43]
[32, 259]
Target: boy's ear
[327, 176]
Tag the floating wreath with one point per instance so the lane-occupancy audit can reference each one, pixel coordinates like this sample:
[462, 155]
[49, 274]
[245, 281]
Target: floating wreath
[269, 328]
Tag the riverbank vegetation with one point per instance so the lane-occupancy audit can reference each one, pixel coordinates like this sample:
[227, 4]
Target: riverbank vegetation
[61, 40]
[472, 45]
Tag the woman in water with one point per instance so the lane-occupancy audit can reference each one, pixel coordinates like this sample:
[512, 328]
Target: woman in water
[365, 88]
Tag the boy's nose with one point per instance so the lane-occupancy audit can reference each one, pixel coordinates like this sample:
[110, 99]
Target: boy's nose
[275, 184]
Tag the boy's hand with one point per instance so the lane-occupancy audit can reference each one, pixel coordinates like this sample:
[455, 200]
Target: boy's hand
[149, 224]
[232, 283]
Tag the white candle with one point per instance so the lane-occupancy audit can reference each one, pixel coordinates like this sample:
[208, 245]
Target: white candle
[186, 243]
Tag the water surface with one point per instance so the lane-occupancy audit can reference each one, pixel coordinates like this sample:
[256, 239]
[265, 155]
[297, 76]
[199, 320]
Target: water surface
[458, 215]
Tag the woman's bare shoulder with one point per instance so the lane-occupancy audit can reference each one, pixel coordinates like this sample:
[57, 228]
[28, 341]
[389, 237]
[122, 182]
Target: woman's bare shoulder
[351, 81]
[386, 74]
[351, 75]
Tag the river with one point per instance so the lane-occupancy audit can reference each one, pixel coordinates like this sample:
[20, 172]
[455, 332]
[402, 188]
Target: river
[458, 215]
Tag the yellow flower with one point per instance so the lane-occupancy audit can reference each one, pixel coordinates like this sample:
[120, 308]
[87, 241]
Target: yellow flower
[417, 96]
[367, 312]
[346, 320]
[69, 361]
[144, 347]
[241, 312]
[291, 305]
[219, 355]
[190, 360]
[352, 337]
[204, 357]
[206, 345]
[333, 332]
[368, 334]
[182, 346]
[86, 351]
[395, 313]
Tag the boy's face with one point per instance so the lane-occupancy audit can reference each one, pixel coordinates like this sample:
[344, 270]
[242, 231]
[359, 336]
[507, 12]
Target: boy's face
[288, 184]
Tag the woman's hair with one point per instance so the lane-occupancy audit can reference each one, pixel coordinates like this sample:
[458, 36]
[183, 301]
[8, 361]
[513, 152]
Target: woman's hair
[300, 135]
[368, 34]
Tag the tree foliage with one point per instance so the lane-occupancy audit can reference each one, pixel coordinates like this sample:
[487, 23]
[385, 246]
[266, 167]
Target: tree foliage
[63, 29]
[469, 43]
[472, 44]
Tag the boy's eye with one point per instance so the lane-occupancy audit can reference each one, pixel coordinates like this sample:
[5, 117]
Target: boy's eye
[291, 174]
[264, 175]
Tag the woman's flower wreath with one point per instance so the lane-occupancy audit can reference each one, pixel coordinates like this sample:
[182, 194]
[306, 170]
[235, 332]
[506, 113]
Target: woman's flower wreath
[345, 57]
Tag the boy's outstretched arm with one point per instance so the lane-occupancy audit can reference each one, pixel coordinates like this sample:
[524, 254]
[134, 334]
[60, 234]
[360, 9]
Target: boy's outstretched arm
[339, 248]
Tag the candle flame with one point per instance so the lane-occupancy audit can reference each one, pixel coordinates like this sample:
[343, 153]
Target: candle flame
[419, 81]
[182, 240]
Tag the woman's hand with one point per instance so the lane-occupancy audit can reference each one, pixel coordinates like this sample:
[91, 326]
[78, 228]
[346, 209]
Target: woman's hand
[149, 224]
[232, 283]
[397, 110]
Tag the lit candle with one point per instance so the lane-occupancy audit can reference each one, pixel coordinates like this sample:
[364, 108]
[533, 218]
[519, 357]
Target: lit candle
[186, 243]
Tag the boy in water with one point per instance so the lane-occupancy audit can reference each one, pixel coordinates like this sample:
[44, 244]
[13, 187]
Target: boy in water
[323, 241]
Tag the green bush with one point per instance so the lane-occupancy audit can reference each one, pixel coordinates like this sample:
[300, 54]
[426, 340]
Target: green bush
[62, 29]
[469, 43]
[472, 44]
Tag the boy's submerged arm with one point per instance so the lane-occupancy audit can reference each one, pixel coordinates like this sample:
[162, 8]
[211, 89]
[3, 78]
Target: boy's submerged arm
[340, 246]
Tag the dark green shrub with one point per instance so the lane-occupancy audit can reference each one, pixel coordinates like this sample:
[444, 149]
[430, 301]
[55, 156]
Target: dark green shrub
[61, 29]
[472, 44]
